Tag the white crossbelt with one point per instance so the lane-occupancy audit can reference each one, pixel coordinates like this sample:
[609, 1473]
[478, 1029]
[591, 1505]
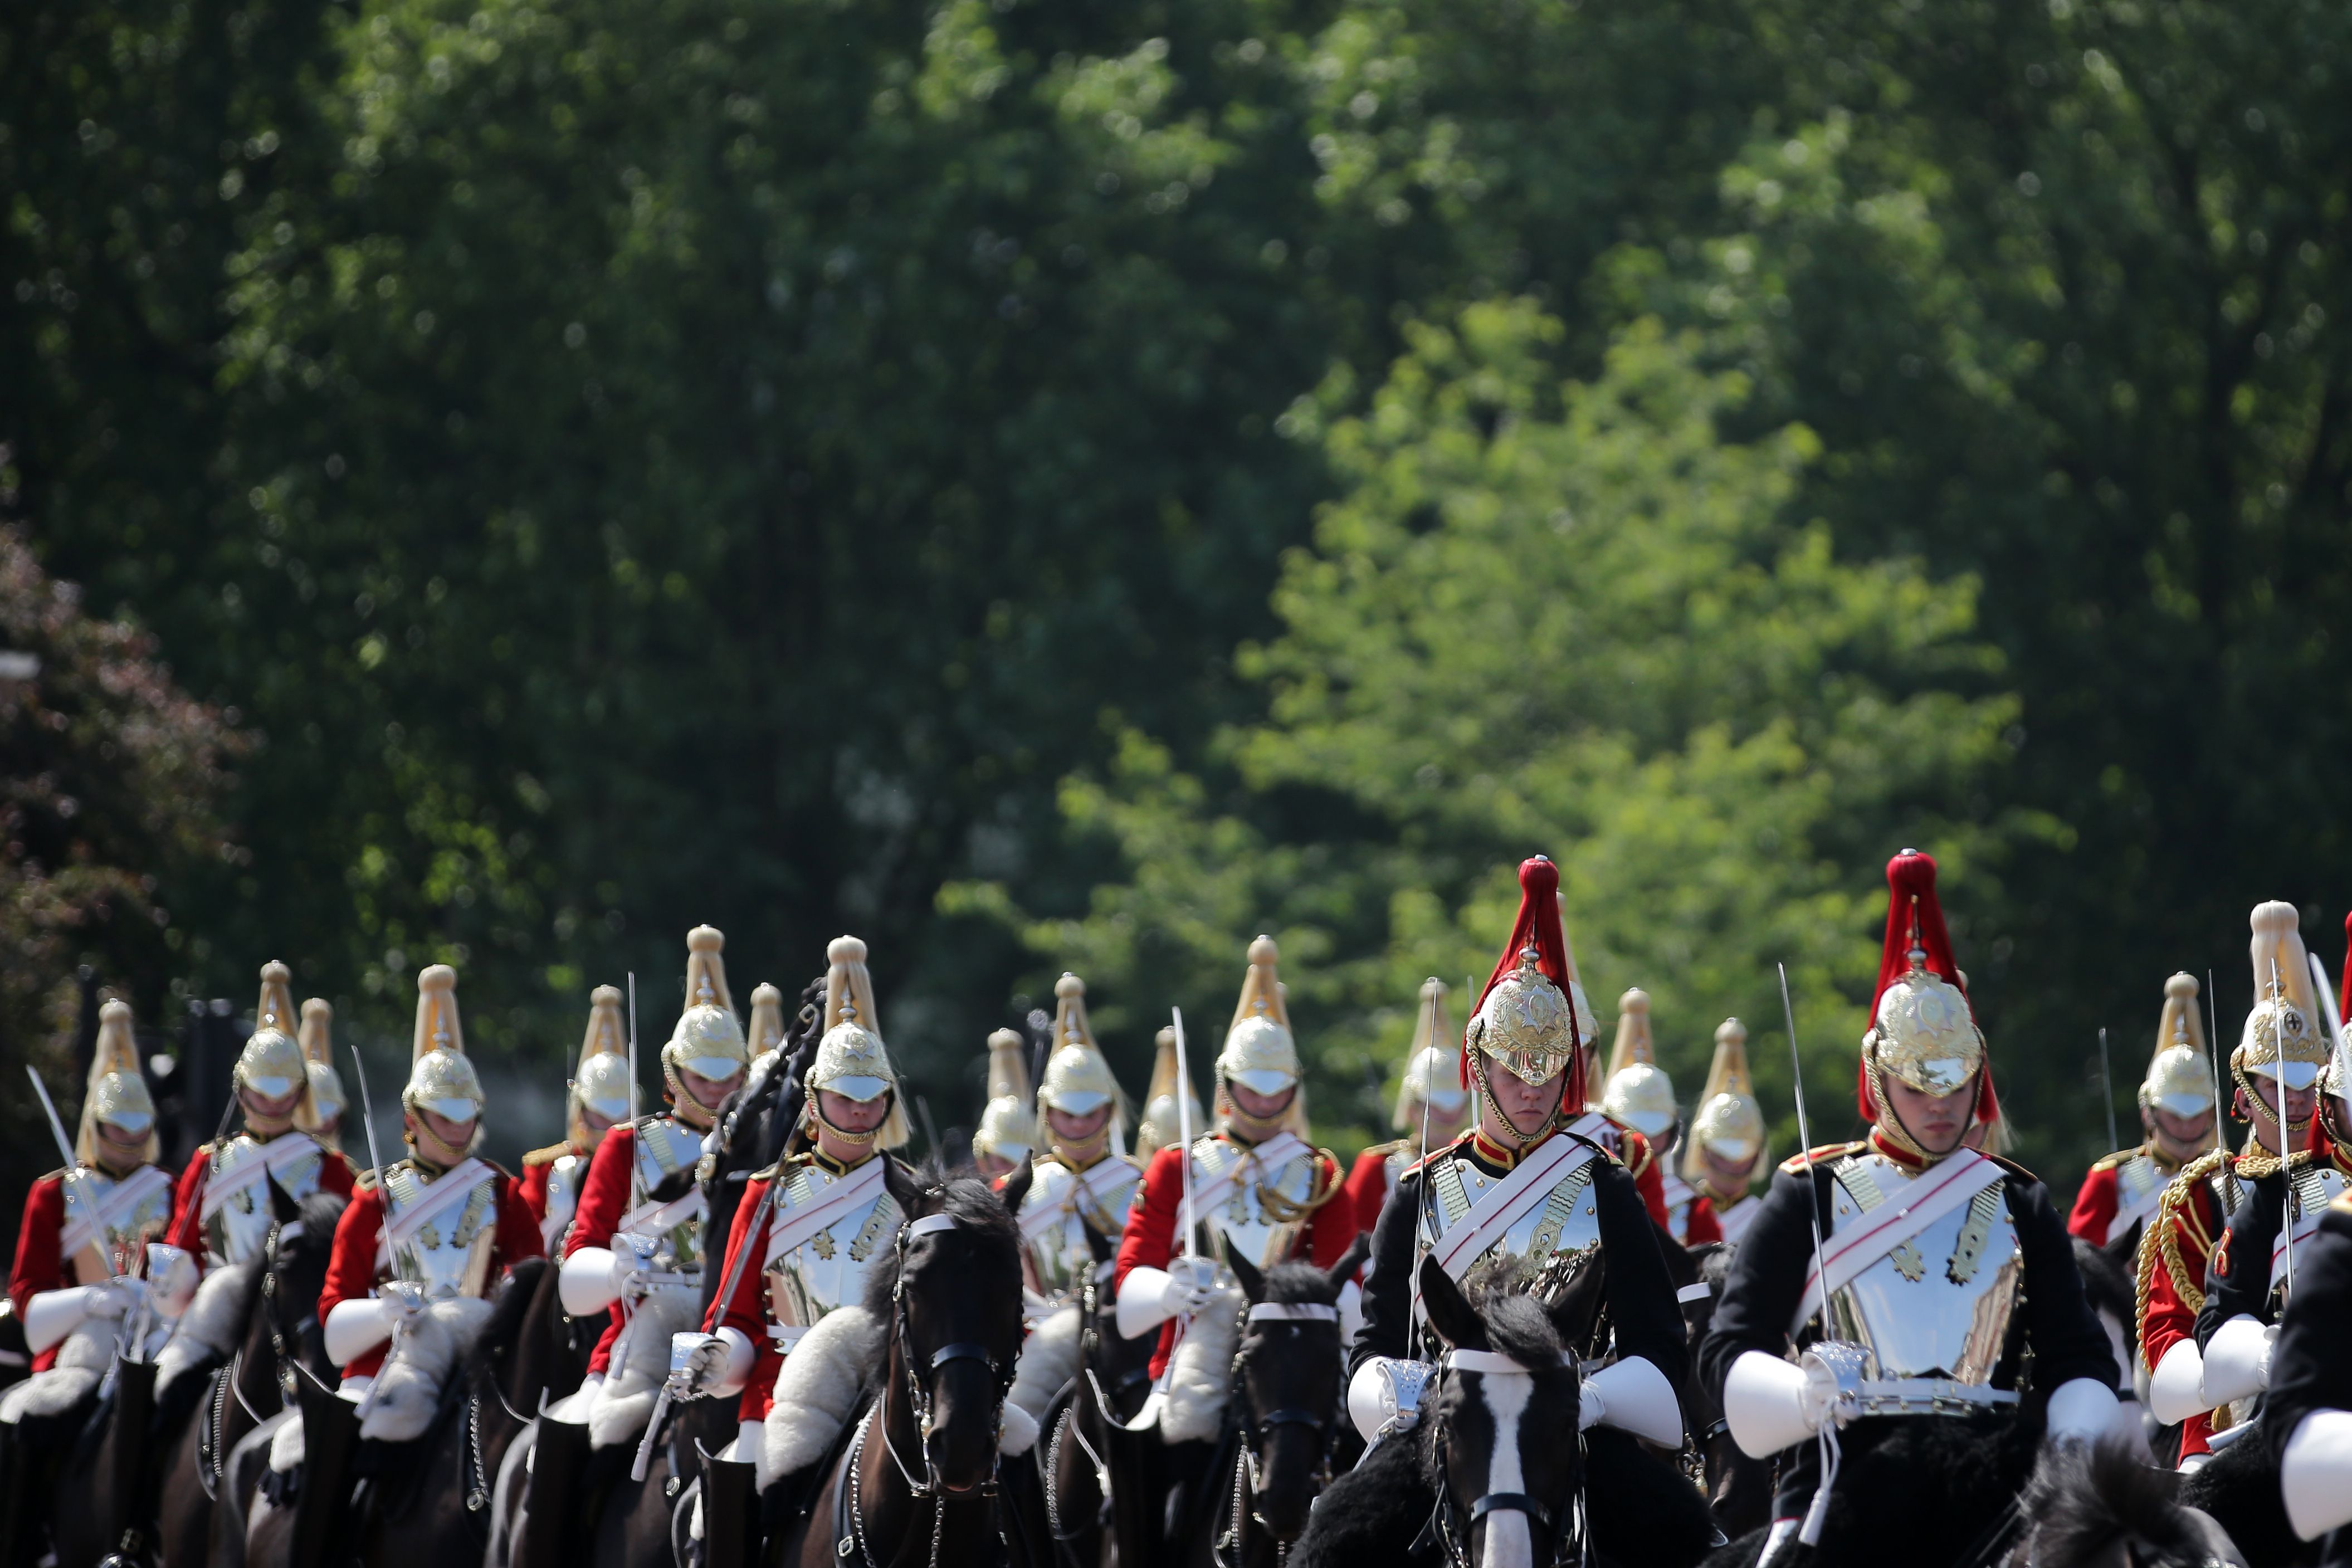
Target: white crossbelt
[1902, 1217]
[1211, 1192]
[1099, 1183]
[1531, 1181]
[281, 1151]
[796, 1226]
[113, 1208]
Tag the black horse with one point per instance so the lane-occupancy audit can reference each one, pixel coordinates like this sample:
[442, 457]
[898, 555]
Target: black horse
[1086, 1419]
[1738, 1488]
[915, 1482]
[219, 1398]
[2107, 1507]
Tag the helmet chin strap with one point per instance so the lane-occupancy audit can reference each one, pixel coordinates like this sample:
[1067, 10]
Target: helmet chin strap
[842, 1135]
[1553, 1118]
[1891, 1122]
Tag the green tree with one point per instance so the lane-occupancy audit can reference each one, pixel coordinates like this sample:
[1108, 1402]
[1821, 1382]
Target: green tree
[1566, 618]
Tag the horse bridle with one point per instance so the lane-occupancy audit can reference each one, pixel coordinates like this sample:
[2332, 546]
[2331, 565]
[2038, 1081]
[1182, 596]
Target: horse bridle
[1451, 1532]
[212, 1464]
[1247, 1477]
[919, 1386]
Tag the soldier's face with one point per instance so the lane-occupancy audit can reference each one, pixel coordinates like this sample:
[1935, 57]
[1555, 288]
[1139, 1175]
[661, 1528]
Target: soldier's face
[272, 1108]
[1526, 1106]
[2181, 1132]
[1727, 1174]
[117, 1150]
[1264, 1107]
[1936, 1122]
[853, 1115]
[710, 1092]
[451, 1134]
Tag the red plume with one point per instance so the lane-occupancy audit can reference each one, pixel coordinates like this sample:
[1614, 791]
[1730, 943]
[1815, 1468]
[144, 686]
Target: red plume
[1911, 898]
[1538, 923]
[2343, 996]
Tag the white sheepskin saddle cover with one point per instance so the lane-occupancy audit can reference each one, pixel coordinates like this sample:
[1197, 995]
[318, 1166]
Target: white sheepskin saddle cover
[625, 1403]
[1201, 1372]
[209, 1330]
[829, 1378]
[409, 1388]
[1048, 1360]
[82, 1359]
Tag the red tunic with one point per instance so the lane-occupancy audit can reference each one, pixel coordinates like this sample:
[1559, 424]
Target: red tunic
[603, 1204]
[2095, 1206]
[2174, 1253]
[1150, 1239]
[336, 1175]
[353, 1269]
[1641, 1162]
[1368, 1184]
[1700, 1226]
[40, 1252]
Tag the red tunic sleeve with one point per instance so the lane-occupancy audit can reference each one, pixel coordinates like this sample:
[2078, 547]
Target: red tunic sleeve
[534, 1189]
[1150, 1237]
[1368, 1185]
[1700, 1226]
[187, 1227]
[40, 1264]
[1642, 1161]
[337, 1174]
[2094, 1206]
[2174, 1254]
[519, 1235]
[351, 1268]
[745, 1309]
[605, 1194]
[1330, 1230]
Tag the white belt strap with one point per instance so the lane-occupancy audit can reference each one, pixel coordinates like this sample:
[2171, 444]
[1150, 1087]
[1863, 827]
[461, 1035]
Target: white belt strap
[1210, 1192]
[1904, 1215]
[1530, 1184]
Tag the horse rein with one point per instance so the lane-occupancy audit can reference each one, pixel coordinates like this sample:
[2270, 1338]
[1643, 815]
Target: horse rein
[212, 1463]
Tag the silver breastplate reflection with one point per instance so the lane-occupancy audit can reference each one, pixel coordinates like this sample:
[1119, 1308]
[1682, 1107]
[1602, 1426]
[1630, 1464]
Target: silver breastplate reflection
[665, 1148]
[1059, 1259]
[1939, 1305]
[828, 1270]
[450, 1254]
[238, 1228]
[1267, 1213]
[565, 1174]
[118, 1225]
[1553, 1234]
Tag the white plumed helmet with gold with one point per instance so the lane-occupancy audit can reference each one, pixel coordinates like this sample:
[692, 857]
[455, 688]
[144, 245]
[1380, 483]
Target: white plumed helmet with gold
[441, 1079]
[1433, 1068]
[1638, 1092]
[1078, 1081]
[2180, 1079]
[708, 1040]
[1008, 1129]
[1160, 1124]
[328, 1099]
[2282, 1039]
[1729, 1122]
[602, 1082]
[272, 1065]
[766, 1032]
[851, 1060]
[116, 1091]
[1260, 1053]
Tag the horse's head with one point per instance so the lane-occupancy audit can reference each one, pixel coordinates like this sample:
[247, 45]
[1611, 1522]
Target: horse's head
[1290, 1373]
[297, 1272]
[950, 1291]
[1499, 1427]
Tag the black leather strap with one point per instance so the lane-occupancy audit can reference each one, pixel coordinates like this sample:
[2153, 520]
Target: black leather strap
[1289, 1417]
[1510, 1502]
[960, 1351]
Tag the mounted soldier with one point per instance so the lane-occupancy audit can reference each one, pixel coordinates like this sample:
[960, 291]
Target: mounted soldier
[1938, 1327]
[2194, 1252]
[327, 1102]
[1726, 1134]
[2307, 1419]
[222, 1211]
[1157, 1130]
[1008, 1126]
[1432, 1107]
[1084, 1177]
[2250, 1274]
[1638, 1095]
[1526, 1201]
[2181, 1113]
[596, 1100]
[418, 1252]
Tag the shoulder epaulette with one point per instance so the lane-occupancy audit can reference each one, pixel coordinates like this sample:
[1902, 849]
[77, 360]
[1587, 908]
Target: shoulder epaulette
[498, 1170]
[363, 1181]
[546, 1156]
[1394, 1145]
[2109, 1162]
[58, 1176]
[1795, 1163]
[2012, 1166]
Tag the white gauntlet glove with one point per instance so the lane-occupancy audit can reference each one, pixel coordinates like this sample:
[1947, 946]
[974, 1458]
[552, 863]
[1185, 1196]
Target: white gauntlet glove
[50, 1317]
[699, 1365]
[2237, 1360]
[593, 1279]
[1634, 1396]
[2176, 1391]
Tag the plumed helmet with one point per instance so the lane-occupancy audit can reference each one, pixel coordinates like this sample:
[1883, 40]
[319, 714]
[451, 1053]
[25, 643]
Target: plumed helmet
[851, 1060]
[1433, 1067]
[1259, 1053]
[707, 1039]
[271, 1064]
[1078, 1081]
[440, 1076]
[2281, 1038]
[326, 1097]
[600, 1082]
[1007, 1128]
[767, 1031]
[116, 1092]
[1922, 1028]
[1532, 1019]
[1160, 1125]
[1638, 1093]
[2179, 1074]
[1729, 1123]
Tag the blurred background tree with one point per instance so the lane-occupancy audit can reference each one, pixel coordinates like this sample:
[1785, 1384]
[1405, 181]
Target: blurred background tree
[1040, 485]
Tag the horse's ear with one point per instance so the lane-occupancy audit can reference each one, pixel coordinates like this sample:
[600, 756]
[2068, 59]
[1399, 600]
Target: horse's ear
[1016, 1183]
[905, 1189]
[282, 1204]
[1253, 1280]
[1102, 1248]
[1450, 1312]
[1338, 1275]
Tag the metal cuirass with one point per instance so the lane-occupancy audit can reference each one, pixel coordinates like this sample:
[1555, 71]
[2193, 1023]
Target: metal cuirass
[565, 1174]
[235, 1231]
[1268, 1211]
[828, 1270]
[1553, 1234]
[449, 1255]
[118, 1225]
[665, 1149]
[1059, 1259]
[1939, 1306]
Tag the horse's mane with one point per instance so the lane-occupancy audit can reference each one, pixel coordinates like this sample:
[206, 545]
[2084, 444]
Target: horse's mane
[1300, 1284]
[509, 1308]
[2106, 1283]
[319, 1214]
[973, 1203]
[2082, 1498]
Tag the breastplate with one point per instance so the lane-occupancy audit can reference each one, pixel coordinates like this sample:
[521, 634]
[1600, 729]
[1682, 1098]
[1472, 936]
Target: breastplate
[1550, 1235]
[450, 1254]
[828, 1270]
[665, 1149]
[1059, 1258]
[565, 1174]
[241, 1224]
[1939, 1305]
[1679, 1196]
[1267, 1213]
[120, 1239]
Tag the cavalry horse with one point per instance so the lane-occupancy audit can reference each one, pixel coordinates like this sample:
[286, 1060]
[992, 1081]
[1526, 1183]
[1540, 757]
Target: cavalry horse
[1075, 1442]
[229, 1373]
[916, 1485]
